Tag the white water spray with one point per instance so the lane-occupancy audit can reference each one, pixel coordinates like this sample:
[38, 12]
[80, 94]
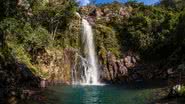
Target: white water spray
[91, 72]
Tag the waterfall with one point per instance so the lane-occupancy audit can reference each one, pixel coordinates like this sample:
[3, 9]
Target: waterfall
[85, 71]
[91, 71]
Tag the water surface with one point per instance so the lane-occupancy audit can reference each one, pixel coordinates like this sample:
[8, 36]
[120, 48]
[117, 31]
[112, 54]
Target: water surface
[97, 95]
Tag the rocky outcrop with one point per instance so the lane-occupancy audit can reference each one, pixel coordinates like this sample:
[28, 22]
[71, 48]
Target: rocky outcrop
[113, 69]
[56, 65]
[18, 81]
[15, 77]
[128, 69]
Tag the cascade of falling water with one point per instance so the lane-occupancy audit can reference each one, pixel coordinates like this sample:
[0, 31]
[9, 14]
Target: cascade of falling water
[88, 75]
[90, 72]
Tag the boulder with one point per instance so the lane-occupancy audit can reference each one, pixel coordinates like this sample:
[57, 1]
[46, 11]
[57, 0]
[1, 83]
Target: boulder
[128, 61]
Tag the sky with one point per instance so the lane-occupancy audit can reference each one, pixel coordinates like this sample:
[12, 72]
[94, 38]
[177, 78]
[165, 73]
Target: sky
[147, 2]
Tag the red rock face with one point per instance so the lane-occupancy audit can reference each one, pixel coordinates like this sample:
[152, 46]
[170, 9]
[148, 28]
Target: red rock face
[115, 68]
[127, 69]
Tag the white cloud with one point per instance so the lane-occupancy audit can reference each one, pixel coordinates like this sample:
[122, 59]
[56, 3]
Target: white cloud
[83, 2]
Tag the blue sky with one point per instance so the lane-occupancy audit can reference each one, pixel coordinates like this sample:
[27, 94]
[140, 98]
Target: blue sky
[147, 2]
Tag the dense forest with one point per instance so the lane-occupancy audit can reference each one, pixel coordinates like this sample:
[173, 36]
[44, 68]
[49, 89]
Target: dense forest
[39, 40]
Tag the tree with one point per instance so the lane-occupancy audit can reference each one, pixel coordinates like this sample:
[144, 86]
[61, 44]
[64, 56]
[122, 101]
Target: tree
[175, 4]
[8, 8]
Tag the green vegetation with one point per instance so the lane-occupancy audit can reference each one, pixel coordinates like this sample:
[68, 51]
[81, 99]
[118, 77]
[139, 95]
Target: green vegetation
[173, 4]
[28, 27]
[155, 32]
[182, 91]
